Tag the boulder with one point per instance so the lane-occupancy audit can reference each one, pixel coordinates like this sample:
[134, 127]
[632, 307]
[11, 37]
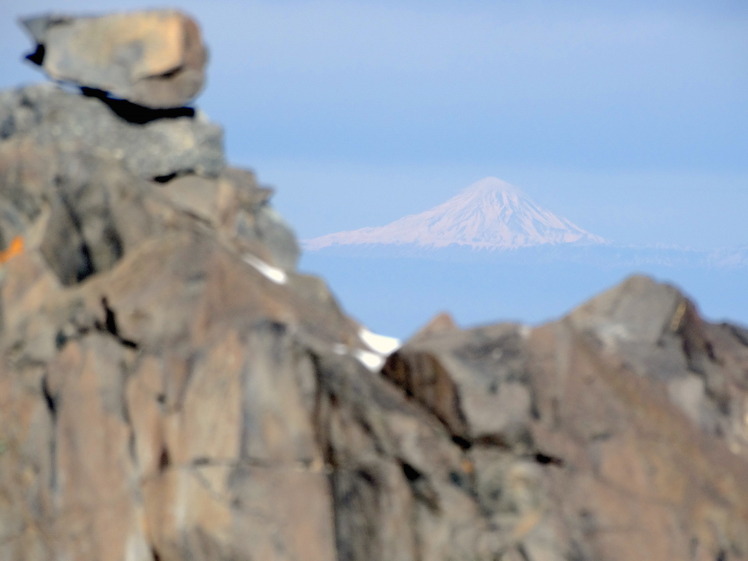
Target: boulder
[155, 58]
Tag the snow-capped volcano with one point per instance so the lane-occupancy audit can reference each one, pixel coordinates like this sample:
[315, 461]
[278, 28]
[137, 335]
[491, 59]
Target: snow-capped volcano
[489, 214]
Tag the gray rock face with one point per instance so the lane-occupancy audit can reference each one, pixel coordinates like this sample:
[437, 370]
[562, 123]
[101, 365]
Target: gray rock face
[127, 304]
[155, 59]
[582, 433]
[89, 208]
[170, 389]
[150, 143]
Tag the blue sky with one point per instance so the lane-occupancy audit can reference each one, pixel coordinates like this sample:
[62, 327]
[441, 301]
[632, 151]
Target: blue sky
[628, 117]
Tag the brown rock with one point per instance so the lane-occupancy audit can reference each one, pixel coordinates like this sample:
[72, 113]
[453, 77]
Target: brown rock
[472, 381]
[440, 323]
[167, 408]
[156, 399]
[604, 448]
[155, 59]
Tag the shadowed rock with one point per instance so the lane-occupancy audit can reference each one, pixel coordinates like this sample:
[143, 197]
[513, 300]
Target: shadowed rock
[625, 419]
[164, 147]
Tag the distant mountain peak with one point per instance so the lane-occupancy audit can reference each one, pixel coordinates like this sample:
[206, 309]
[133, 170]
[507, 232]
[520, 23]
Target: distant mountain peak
[488, 214]
[492, 184]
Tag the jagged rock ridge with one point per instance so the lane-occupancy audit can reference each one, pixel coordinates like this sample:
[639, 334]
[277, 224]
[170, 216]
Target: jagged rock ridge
[172, 388]
[489, 214]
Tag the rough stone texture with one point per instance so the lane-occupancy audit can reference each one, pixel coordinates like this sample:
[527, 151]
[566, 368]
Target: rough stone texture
[155, 59]
[86, 211]
[617, 433]
[150, 143]
[156, 401]
[171, 389]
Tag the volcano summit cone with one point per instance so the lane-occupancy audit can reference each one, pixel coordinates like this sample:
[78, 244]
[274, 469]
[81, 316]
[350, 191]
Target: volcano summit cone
[489, 214]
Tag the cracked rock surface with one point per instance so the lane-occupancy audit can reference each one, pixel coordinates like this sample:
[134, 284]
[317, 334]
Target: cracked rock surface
[171, 388]
[616, 433]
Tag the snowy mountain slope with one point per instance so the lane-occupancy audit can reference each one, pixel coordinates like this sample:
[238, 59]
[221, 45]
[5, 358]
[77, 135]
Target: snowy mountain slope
[489, 214]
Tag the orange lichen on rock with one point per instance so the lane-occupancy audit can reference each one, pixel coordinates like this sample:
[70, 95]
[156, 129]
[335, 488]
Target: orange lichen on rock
[15, 248]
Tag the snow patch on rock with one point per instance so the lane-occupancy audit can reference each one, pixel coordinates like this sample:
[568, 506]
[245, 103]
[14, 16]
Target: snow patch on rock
[271, 272]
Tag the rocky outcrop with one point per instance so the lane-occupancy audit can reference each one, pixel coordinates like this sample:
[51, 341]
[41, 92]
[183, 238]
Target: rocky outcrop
[151, 144]
[172, 388]
[616, 433]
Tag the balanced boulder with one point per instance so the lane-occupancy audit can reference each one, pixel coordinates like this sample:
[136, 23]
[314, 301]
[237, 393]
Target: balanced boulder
[152, 58]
